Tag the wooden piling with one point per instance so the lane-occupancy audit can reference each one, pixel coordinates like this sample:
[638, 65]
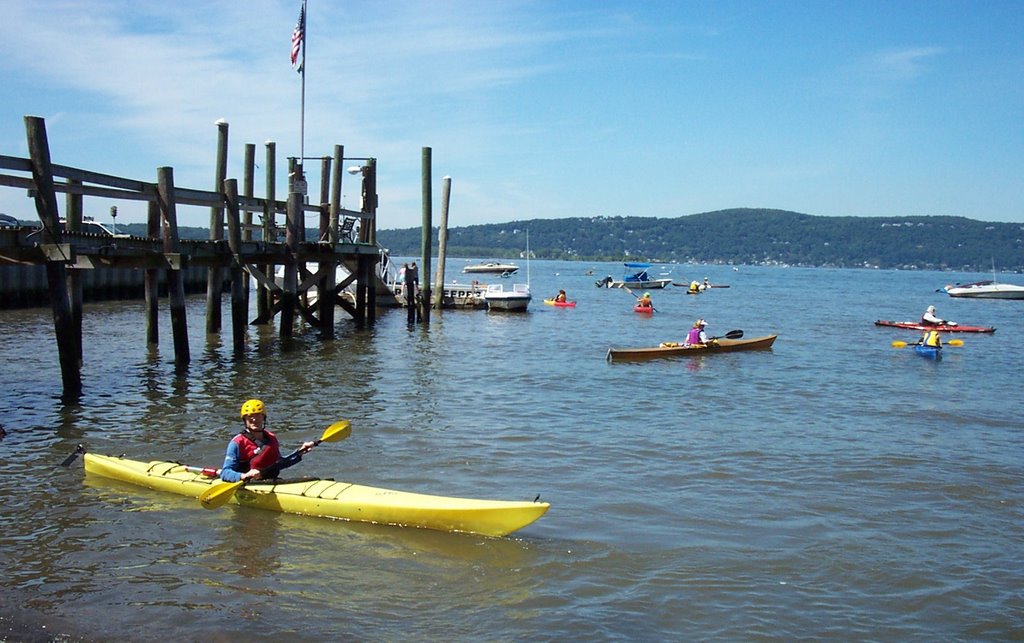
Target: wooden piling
[239, 314]
[56, 271]
[291, 268]
[263, 303]
[152, 279]
[248, 187]
[214, 280]
[74, 206]
[172, 250]
[427, 234]
[442, 241]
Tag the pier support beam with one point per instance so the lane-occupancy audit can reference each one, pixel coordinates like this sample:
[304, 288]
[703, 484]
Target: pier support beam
[214, 280]
[428, 228]
[442, 242]
[152, 279]
[172, 250]
[239, 315]
[56, 271]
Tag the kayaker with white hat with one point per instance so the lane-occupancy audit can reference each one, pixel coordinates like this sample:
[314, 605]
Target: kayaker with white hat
[929, 318]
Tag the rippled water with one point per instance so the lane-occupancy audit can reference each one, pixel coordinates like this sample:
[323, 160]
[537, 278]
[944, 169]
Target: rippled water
[831, 487]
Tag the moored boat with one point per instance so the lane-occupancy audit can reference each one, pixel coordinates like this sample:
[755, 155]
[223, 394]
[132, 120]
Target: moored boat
[330, 499]
[985, 290]
[944, 328]
[493, 267]
[636, 276]
[672, 349]
[516, 299]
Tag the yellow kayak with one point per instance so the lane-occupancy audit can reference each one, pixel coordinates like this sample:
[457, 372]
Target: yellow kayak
[331, 499]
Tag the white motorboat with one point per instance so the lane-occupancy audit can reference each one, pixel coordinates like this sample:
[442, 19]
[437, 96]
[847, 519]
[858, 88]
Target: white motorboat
[492, 267]
[516, 299]
[986, 290]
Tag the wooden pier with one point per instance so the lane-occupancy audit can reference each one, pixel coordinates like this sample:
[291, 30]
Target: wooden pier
[237, 248]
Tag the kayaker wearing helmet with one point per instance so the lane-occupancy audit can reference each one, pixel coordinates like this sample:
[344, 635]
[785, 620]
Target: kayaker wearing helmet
[645, 301]
[696, 335]
[255, 452]
[930, 319]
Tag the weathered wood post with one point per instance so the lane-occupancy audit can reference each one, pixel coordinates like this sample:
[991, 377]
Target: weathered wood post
[442, 241]
[263, 294]
[172, 251]
[325, 304]
[56, 271]
[239, 314]
[368, 233]
[73, 204]
[152, 279]
[293, 236]
[214, 279]
[428, 228]
[248, 187]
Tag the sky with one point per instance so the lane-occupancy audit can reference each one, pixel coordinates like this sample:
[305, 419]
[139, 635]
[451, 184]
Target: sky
[538, 109]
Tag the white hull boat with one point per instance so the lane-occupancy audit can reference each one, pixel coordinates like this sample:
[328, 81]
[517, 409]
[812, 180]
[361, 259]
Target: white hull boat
[516, 299]
[986, 290]
[492, 267]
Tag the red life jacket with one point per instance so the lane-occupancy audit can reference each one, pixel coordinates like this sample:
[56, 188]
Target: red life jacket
[258, 457]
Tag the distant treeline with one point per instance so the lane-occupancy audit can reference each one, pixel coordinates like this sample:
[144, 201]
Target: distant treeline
[737, 236]
[743, 236]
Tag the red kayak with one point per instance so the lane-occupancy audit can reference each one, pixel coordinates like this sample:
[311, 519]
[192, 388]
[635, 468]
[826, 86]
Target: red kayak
[643, 310]
[945, 328]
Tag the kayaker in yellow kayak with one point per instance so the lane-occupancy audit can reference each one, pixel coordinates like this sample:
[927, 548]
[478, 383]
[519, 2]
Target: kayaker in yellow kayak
[255, 453]
[561, 297]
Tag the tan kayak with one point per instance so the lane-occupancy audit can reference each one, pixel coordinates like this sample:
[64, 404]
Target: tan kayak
[669, 349]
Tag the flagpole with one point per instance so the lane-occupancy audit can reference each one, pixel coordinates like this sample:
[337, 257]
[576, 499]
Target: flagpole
[302, 117]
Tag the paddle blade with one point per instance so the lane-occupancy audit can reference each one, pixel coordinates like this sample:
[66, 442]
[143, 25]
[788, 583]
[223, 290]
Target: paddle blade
[734, 334]
[899, 344]
[74, 454]
[955, 342]
[219, 495]
[337, 431]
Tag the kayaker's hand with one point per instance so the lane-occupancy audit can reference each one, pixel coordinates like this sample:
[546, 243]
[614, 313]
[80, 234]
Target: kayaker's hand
[307, 447]
[251, 474]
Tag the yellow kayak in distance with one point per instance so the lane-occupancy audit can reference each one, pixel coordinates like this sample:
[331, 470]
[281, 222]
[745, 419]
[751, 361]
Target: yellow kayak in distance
[331, 499]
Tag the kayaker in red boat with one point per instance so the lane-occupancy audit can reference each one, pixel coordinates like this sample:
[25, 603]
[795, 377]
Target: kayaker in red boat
[929, 318]
[254, 453]
[645, 301]
[560, 298]
[697, 336]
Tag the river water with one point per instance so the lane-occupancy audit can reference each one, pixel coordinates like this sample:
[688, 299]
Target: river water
[832, 487]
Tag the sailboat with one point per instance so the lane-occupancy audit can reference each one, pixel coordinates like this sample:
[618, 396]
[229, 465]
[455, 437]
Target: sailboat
[516, 299]
[989, 289]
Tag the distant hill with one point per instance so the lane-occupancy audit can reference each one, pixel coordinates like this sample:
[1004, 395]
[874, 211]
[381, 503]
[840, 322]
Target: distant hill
[743, 236]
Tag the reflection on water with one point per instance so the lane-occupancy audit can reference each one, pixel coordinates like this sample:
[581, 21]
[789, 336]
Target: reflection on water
[829, 487]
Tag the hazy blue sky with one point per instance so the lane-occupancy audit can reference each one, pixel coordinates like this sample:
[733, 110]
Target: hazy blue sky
[542, 109]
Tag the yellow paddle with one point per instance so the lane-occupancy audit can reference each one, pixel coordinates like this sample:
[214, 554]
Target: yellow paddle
[952, 342]
[219, 495]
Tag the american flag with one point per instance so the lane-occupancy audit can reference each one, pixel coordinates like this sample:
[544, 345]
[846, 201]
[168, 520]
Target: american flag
[297, 35]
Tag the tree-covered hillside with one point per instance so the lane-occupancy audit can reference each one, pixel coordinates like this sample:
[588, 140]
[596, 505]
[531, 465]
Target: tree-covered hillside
[743, 236]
